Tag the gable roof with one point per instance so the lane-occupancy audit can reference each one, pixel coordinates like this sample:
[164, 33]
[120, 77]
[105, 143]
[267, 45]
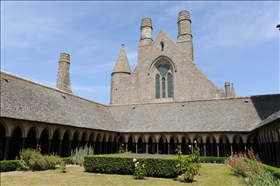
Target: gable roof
[26, 100]
[241, 114]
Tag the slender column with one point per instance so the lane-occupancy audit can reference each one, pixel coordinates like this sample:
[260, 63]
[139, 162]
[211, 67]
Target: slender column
[49, 146]
[168, 149]
[157, 149]
[136, 147]
[7, 147]
[147, 148]
[100, 147]
[59, 148]
[106, 147]
[126, 147]
[23, 143]
[231, 149]
[69, 148]
[218, 151]
[204, 146]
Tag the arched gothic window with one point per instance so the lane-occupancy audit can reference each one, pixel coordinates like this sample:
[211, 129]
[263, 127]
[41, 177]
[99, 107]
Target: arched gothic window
[164, 82]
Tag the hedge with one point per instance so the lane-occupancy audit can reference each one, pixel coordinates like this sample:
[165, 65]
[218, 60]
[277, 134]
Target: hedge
[210, 159]
[8, 165]
[155, 167]
[274, 170]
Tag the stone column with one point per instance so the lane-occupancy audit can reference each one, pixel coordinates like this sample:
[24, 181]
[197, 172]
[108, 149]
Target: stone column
[23, 143]
[157, 149]
[204, 146]
[136, 147]
[231, 150]
[49, 146]
[69, 148]
[168, 149]
[218, 151]
[7, 147]
[60, 145]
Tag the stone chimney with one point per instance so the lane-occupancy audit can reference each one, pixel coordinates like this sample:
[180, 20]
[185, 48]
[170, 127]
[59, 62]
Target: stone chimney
[184, 39]
[63, 76]
[146, 31]
[227, 88]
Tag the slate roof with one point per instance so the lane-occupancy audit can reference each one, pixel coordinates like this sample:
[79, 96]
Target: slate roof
[222, 115]
[273, 117]
[27, 100]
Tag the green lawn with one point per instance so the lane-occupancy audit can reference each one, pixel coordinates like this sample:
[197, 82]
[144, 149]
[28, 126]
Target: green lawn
[210, 174]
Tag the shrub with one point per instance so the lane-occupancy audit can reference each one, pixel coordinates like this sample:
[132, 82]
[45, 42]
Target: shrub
[250, 166]
[77, 155]
[155, 167]
[63, 165]
[264, 178]
[208, 159]
[188, 166]
[243, 165]
[8, 165]
[139, 170]
[274, 170]
[36, 161]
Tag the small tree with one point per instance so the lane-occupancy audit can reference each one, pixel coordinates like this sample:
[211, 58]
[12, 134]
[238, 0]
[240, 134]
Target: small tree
[188, 166]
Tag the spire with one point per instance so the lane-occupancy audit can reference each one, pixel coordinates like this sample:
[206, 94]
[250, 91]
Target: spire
[232, 93]
[122, 64]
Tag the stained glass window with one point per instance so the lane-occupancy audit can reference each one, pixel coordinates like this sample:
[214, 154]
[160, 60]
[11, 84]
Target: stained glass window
[157, 86]
[163, 87]
[170, 85]
[164, 82]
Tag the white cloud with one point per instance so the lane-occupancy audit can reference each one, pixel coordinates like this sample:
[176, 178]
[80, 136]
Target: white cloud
[238, 24]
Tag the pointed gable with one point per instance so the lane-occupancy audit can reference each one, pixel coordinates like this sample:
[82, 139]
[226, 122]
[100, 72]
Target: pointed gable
[122, 64]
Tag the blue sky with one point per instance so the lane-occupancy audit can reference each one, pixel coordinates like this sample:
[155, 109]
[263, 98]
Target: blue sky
[233, 41]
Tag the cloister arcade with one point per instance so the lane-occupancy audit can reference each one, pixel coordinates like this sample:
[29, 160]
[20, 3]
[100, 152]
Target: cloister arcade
[17, 135]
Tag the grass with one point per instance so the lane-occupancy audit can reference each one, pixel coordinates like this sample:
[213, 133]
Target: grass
[210, 174]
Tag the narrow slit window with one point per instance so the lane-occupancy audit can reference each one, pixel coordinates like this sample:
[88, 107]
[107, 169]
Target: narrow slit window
[162, 46]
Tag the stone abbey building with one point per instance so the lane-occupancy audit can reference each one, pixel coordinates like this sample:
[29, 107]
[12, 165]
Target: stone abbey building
[166, 101]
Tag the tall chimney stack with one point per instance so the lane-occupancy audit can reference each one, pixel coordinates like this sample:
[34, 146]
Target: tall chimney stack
[227, 88]
[63, 76]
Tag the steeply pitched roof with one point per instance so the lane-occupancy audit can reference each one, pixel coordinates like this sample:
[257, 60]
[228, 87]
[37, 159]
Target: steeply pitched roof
[27, 100]
[222, 115]
[122, 64]
[273, 117]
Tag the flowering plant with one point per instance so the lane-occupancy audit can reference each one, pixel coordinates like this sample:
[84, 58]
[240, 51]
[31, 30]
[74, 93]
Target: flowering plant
[188, 166]
[139, 170]
[63, 166]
